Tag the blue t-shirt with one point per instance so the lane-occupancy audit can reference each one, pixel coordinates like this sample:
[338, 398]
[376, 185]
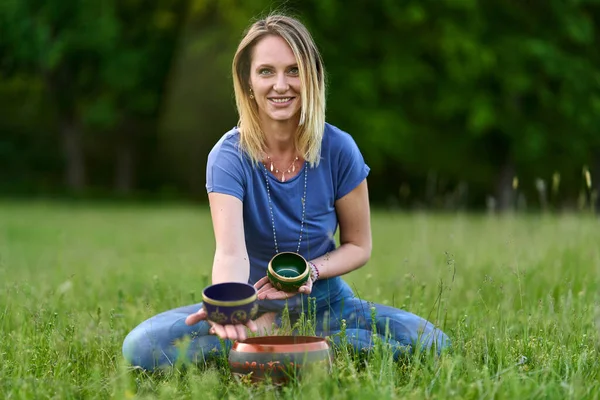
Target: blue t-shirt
[341, 169]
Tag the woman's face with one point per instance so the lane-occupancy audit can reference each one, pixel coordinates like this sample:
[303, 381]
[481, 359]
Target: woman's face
[275, 80]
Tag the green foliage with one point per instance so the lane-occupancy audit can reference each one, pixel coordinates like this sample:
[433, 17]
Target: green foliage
[428, 83]
[465, 89]
[108, 65]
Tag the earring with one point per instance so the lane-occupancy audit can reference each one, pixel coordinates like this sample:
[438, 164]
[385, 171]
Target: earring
[251, 94]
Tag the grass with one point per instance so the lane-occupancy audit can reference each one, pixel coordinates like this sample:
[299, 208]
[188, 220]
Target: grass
[517, 295]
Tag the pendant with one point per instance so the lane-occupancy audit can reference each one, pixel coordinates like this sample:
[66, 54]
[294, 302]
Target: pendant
[271, 166]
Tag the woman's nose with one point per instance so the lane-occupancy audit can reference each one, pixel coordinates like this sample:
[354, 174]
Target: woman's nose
[281, 84]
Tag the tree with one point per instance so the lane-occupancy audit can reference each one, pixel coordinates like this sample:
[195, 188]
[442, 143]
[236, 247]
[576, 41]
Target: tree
[449, 85]
[105, 65]
[60, 41]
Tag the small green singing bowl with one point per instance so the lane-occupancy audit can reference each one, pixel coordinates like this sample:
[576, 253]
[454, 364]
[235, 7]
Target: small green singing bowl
[288, 271]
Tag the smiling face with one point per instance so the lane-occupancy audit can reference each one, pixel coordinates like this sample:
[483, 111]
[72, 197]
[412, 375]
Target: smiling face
[275, 80]
[279, 85]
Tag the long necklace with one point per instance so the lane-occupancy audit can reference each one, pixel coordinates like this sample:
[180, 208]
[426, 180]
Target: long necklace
[271, 209]
[291, 168]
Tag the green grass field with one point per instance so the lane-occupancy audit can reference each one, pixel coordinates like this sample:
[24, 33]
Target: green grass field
[517, 295]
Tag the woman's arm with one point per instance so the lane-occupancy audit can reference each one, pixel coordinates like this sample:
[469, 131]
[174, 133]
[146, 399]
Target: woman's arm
[354, 218]
[230, 263]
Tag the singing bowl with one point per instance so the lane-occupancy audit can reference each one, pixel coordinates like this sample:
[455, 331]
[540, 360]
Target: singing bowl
[230, 302]
[278, 358]
[288, 271]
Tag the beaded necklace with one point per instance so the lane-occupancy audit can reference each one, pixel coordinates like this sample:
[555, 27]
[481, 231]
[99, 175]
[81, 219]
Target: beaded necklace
[303, 199]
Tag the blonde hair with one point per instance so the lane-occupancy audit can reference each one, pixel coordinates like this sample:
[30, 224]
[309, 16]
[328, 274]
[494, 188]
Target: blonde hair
[312, 80]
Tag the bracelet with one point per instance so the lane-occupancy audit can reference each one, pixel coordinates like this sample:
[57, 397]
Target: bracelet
[314, 271]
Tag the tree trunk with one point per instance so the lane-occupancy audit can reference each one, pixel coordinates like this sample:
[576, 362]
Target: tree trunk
[124, 174]
[72, 140]
[125, 159]
[504, 189]
[60, 85]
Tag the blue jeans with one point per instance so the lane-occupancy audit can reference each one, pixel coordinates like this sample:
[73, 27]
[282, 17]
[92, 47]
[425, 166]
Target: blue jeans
[153, 343]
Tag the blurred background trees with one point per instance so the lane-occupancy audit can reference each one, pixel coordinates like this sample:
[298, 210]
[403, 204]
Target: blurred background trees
[455, 103]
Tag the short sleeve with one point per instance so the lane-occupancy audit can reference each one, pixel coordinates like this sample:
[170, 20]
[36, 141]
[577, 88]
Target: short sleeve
[352, 169]
[224, 169]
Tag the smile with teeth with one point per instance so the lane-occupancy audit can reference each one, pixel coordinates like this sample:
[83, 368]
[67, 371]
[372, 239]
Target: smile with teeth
[281, 99]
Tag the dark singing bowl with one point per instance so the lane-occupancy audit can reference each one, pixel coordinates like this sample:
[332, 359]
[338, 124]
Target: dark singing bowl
[230, 302]
[278, 358]
[288, 271]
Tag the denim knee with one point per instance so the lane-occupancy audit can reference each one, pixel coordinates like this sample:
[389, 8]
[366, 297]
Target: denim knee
[434, 339]
[139, 350]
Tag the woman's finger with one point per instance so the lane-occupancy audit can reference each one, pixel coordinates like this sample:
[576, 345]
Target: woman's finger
[196, 317]
[241, 332]
[267, 294]
[265, 288]
[280, 295]
[262, 292]
[231, 332]
[252, 326]
[192, 319]
[219, 330]
[261, 282]
[307, 288]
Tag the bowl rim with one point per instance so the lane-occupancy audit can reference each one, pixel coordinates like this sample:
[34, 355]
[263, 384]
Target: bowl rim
[286, 279]
[248, 345]
[226, 303]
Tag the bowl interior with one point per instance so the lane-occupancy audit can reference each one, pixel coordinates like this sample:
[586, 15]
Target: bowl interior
[288, 265]
[230, 291]
[281, 344]
[283, 340]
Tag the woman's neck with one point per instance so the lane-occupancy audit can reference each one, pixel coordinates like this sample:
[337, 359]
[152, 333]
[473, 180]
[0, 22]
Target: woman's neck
[280, 138]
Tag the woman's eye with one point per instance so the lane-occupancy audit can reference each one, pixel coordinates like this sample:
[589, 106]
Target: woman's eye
[294, 71]
[264, 71]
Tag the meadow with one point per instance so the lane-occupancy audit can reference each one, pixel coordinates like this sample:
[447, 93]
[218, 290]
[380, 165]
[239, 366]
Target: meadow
[517, 294]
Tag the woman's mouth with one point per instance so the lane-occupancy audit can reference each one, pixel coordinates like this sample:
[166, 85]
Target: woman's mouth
[281, 101]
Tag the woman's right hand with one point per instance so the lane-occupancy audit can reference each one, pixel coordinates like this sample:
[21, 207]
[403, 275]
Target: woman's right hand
[231, 332]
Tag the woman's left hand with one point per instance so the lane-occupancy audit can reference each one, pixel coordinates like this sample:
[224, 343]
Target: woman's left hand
[266, 291]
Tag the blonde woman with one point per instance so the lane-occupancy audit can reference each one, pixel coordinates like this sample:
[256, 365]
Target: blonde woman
[283, 180]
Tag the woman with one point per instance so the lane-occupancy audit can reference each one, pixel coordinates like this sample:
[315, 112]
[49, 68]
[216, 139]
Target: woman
[283, 180]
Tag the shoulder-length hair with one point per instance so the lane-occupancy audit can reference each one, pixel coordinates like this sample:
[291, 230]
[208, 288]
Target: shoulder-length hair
[312, 80]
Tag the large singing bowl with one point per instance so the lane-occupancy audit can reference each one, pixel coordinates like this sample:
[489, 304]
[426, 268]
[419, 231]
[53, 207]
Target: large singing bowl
[230, 303]
[278, 358]
[288, 271]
